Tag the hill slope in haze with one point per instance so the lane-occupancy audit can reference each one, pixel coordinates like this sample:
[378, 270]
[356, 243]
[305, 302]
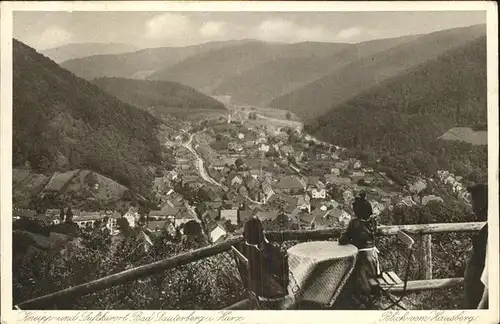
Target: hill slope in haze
[146, 93]
[137, 65]
[205, 72]
[80, 50]
[63, 122]
[316, 98]
[401, 119]
[261, 84]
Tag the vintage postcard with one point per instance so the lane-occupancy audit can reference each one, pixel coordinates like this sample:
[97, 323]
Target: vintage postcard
[204, 162]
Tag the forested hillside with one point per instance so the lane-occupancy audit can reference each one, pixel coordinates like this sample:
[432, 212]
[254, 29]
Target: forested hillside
[207, 71]
[147, 93]
[63, 122]
[79, 50]
[261, 84]
[401, 119]
[137, 65]
[316, 98]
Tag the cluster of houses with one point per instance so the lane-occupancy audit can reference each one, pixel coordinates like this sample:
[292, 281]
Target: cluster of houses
[81, 218]
[267, 186]
[458, 188]
[261, 175]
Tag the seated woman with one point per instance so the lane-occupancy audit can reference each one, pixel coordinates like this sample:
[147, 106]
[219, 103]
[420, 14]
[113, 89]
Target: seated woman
[265, 279]
[361, 233]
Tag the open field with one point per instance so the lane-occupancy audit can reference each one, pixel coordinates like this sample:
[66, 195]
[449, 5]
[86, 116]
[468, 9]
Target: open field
[191, 114]
[267, 117]
[466, 134]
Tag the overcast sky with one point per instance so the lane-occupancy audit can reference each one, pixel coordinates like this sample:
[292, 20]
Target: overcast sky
[44, 30]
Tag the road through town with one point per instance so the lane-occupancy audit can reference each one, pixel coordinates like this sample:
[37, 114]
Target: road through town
[200, 163]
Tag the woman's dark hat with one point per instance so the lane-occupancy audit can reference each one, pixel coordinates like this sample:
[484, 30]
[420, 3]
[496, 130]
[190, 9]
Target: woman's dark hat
[362, 194]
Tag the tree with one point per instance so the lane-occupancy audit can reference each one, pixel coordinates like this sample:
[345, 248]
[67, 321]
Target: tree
[69, 215]
[239, 162]
[123, 225]
[61, 214]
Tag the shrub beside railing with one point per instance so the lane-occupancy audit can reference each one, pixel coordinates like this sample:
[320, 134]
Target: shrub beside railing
[212, 269]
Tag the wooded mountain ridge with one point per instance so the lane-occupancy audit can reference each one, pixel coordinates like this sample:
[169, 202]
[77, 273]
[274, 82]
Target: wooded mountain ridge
[401, 119]
[79, 50]
[62, 122]
[147, 93]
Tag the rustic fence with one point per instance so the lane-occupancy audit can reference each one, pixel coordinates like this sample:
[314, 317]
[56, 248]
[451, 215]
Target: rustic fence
[286, 238]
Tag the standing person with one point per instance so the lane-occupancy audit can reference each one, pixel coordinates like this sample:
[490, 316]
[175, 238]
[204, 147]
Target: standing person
[257, 249]
[475, 264]
[361, 233]
[483, 304]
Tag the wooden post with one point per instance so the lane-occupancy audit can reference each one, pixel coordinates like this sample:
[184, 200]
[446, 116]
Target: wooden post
[426, 255]
[204, 252]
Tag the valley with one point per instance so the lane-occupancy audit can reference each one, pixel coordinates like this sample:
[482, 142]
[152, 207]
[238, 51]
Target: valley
[126, 156]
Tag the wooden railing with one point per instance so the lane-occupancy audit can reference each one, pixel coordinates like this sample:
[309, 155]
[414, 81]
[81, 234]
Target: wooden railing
[276, 236]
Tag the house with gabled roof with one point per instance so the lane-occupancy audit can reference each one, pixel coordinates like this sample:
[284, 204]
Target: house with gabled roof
[340, 216]
[348, 195]
[286, 149]
[312, 181]
[407, 201]
[236, 180]
[24, 213]
[244, 216]
[243, 191]
[183, 217]
[157, 226]
[289, 208]
[333, 179]
[268, 191]
[230, 215]
[252, 183]
[417, 186]
[219, 164]
[377, 207]
[318, 193]
[291, 184]
[217, 232]
[357, 174]
[306, 218]
[267, 215]
[166, 212]
[287, 199]
[304, 202]
[335, 171]
[342, 165]
[429, 198]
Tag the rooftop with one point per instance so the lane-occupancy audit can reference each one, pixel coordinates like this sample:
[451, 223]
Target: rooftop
[290, 182]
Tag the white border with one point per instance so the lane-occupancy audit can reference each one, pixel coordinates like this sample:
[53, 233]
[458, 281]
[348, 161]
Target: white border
[489, 316]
